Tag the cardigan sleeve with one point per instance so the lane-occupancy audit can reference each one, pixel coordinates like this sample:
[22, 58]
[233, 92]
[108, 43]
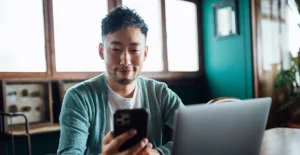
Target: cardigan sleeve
[74, 124]
[170, 103]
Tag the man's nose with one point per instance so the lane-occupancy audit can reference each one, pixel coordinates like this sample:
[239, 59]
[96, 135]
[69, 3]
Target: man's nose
[125, 58]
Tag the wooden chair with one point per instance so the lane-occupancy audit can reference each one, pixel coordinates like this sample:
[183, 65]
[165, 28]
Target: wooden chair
[223, 99]
[6, 136]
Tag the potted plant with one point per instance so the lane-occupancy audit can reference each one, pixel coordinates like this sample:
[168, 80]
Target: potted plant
[286, 81]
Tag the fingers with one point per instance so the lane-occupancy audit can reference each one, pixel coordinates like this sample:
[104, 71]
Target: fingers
[138, 147]
[115, 143]
[111, 144]
[146, 150]
[108, 137]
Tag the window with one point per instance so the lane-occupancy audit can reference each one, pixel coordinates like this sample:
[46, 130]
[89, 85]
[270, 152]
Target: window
[62, 36]
[150, 10]
[22, 36]
[293, 27]
[271, 51]
[77, 34]
[182, 36]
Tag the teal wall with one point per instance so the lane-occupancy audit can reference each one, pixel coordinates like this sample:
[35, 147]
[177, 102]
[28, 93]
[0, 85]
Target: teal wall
[228, 61]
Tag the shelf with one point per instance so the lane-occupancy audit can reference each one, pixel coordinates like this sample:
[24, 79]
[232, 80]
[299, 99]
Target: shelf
[32, 99]
[35, 130]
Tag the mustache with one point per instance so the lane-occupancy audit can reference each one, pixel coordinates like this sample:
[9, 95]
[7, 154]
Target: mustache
[124, 68]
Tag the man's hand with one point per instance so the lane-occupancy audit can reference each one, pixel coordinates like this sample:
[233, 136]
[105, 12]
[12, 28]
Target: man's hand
[154, 152]
[111, 144]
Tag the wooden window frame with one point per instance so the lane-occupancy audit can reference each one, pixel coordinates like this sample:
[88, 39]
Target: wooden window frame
[51, 72]
[9, 75]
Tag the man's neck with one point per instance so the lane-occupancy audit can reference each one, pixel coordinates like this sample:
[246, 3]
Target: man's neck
[126, 91]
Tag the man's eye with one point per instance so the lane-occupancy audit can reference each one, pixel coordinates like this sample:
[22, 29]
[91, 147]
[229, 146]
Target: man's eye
[134, 50]
[115, 49]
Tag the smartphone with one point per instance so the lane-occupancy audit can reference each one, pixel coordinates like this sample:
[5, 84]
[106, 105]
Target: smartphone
[126, 119]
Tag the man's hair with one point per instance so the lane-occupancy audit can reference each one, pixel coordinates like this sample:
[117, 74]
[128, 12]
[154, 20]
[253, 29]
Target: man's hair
[121, 17]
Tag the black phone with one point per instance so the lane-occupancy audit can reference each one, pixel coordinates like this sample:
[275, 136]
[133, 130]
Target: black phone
[126, 119]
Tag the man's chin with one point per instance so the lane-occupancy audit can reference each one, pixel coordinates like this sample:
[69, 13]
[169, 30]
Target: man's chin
[124, 81]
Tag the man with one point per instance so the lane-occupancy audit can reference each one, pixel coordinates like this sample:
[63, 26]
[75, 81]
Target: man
[87, 110]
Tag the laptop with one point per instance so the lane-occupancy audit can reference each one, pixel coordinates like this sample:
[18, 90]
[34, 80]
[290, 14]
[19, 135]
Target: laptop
[229, 128]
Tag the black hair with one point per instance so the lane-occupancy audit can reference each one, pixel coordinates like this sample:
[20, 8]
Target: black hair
[121, 17]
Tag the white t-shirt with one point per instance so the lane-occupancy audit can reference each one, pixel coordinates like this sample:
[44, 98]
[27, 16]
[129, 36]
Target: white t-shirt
[116, 101]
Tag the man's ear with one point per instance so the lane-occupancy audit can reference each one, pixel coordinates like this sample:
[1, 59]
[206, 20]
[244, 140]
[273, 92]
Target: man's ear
[101, 48]
[145, 53]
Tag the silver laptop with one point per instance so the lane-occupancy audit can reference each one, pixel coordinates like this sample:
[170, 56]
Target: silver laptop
[229, 128]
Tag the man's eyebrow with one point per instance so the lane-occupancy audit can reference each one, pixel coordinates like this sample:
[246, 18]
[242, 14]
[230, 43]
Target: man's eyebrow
[115, 43]
[119, 43]
[135, 43]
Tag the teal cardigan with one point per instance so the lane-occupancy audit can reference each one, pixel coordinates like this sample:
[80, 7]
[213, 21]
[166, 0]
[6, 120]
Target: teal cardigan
[84, 114]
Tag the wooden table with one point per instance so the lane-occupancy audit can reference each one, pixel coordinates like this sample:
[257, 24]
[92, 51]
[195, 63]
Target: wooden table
[281, 141]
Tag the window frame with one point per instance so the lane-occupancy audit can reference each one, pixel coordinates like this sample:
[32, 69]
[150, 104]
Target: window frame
[9, 75]
[51, 72]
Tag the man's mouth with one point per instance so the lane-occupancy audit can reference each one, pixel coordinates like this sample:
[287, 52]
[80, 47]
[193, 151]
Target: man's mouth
[125, 70]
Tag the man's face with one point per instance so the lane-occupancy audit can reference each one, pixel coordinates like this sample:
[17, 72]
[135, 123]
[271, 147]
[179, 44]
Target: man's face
[124, 53]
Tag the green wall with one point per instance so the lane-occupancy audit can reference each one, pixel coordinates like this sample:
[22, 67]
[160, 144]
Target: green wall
[228, 61]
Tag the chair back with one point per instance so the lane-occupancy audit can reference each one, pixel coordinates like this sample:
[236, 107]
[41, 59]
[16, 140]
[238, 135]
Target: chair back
[223, 99]
[26, 124]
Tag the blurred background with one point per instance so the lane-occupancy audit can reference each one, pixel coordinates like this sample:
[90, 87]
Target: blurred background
[203, 49]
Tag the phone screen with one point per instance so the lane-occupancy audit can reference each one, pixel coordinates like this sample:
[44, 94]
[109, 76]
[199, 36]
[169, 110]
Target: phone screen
[127, 119]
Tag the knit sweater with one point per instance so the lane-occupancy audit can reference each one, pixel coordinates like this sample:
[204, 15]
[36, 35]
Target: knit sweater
[84, 114]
